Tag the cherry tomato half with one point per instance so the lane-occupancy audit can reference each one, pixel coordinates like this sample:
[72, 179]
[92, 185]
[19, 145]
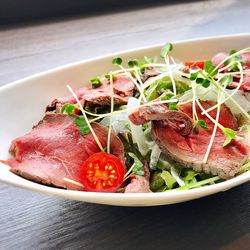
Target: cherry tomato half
[102, 172]
[199, 64]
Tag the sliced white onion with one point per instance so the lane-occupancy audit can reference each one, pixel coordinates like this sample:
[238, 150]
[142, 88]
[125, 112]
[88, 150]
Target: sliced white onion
[176, 175]
[119, 122]
[210, 94]
[154, 157]
[136, 131]
[240, 99]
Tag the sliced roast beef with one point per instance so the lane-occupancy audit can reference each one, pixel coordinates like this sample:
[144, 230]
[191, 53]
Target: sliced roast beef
[149, 72]
[190, 150]
[123, 88]
[55, 150]
[139, 184]
[179, 121]
[218, 58]
[246, 60]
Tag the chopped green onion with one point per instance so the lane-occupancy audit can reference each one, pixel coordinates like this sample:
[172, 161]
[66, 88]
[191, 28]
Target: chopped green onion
[96, 82]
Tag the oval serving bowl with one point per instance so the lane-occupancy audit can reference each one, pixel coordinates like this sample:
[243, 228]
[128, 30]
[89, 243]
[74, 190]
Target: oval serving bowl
[22, 104]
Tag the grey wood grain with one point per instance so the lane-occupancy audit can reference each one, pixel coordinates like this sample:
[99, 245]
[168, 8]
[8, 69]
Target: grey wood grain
[34, 221]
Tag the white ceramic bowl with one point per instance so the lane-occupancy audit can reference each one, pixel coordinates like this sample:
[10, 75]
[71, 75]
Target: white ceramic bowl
[22, 104]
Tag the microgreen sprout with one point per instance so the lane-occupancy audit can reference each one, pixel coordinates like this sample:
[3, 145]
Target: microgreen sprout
[230, 56]
[210, 69]
[113, 76]
[86, 119]
[117, 61]
[166, 49]
[226, 82]
[133, 63]
[233, 61]
[111, 112]
[78, 120]
[221, 89]
[164, 54]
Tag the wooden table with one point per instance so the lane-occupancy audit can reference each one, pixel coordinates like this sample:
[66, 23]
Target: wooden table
[34, 221]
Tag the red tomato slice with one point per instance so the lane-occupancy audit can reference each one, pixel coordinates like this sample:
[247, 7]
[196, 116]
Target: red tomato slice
[199, 64]
[102, 172]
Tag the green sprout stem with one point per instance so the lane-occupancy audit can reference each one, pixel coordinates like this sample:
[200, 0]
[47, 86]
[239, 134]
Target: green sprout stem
[232, 94]
[134, 81]
[228, 95]
[166, 58]
[111, 112]
[86, 118]
[229, 57]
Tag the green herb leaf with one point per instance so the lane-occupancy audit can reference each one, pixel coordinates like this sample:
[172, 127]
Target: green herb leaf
[188, 175]
[138, 168]
[81, 123]
[166, 49]
[230, 135]
[199, 80]
[117, 61]
[210, 68]
[84, 130]
[202, 124]
[156, 181]
[170, 181]
[207, 66]
[205, 83]
[194, 75]
[96, 82]
[68, 108]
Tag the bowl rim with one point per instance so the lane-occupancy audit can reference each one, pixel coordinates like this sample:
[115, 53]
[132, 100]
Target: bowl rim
[81, 195]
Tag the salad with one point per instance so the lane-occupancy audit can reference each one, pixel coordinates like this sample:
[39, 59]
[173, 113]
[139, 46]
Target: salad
[152, 125]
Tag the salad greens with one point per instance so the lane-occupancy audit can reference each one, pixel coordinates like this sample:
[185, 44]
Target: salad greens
[171, 86]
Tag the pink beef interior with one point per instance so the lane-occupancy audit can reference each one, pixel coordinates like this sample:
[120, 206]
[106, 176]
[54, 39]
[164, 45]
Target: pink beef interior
[190, 150]
[55, 149]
